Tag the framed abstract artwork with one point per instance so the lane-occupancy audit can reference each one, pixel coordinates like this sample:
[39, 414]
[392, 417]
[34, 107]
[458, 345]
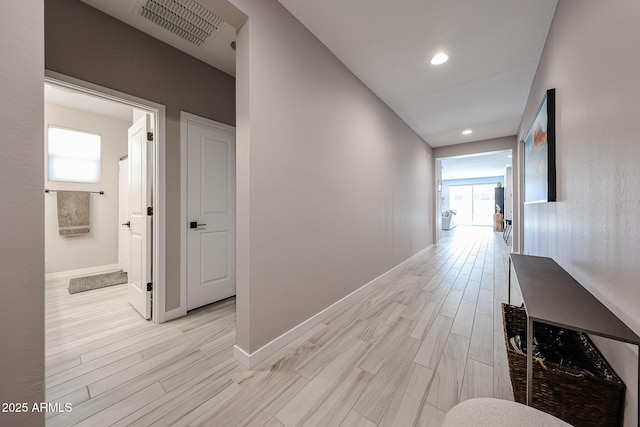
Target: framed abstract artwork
[540, 153]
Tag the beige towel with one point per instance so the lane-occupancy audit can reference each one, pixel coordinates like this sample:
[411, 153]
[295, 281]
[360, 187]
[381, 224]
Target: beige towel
[73, 212]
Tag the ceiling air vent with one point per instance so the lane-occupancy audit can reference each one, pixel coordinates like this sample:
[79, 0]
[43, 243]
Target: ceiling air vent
[185, 18]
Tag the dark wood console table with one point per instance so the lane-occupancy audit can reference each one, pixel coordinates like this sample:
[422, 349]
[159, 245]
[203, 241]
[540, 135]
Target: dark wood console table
[552, 296]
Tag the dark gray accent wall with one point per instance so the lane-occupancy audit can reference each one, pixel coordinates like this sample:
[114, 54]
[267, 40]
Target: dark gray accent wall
[84, 43]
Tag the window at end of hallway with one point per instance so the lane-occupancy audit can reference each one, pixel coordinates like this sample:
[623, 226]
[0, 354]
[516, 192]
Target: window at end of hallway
[74, 156]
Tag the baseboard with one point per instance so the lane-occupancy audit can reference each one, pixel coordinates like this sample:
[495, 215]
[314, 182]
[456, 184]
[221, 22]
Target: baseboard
[81, 272]
[250, 360]
[243, 357]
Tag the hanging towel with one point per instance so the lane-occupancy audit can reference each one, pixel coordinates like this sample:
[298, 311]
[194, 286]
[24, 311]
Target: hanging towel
[73, 212]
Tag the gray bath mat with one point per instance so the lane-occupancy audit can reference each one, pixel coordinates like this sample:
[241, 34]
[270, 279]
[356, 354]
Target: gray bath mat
[81, 284]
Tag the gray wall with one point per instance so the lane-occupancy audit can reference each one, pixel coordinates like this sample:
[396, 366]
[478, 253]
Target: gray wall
[87, 44]
[21, 210]
[333, 186]
[591, 58]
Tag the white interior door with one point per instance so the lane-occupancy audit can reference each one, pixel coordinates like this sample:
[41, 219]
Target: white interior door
[211, 214]
[139, 200]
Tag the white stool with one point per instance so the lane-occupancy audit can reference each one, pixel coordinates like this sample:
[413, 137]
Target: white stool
[484, 412]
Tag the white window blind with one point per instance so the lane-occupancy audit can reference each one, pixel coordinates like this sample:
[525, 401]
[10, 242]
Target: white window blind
[74, 156]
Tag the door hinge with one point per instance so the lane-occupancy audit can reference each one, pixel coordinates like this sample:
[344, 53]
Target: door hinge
[149, 211]
[149, 136]
[149, 287]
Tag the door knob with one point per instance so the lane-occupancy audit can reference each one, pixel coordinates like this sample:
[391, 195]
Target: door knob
[128, 224]
[194, 225]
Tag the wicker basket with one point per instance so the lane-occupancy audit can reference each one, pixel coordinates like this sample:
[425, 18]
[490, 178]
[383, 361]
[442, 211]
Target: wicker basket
[569, 394]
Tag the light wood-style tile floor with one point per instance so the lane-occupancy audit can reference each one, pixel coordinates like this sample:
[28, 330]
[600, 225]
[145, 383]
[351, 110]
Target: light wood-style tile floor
[423, 339]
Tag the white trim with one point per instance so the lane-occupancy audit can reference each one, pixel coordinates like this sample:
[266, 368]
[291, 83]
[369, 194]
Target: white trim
[159, 220]
[244, 358]
[251, 360]
[81, 272]
[182, 310]
[184, 116]
[184, 119]
[159, 188]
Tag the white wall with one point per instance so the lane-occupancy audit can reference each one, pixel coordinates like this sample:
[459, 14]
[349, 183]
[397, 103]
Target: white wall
[21, 209]
[100, 246]
[334, 189]
[591, 58]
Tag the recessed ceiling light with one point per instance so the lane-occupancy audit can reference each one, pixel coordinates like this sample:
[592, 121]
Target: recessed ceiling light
[467, 132]
[440, 58]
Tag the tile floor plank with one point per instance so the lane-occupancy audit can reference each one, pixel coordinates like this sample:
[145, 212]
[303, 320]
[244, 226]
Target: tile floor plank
[463, 323]
[341, 373]
[426, 319]
[405, 408]
[481, 348]
[354, 419]
[434, 342]
[502, 388]
[385, 384]
[478, 381]
[448, 377]
[450, 306]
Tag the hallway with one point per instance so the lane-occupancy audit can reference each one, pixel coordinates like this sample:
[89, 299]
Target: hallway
[424, 337]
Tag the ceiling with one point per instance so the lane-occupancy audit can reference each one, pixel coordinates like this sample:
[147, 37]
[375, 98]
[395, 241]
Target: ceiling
[72, 99]
[216, 51]
[476, 165]
[493, 46]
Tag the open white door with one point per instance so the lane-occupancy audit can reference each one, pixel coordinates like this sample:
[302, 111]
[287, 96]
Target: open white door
[140, 193]
[211, 236]
[124, 235]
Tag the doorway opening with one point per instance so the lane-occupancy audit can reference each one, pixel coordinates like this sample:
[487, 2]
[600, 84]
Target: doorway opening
[476, 189]
[113, 186]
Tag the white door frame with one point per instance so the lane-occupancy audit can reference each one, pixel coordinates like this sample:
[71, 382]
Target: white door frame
[159, 223]
[184, 118]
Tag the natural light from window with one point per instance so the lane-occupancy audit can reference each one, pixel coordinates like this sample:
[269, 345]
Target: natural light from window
[73, 156]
